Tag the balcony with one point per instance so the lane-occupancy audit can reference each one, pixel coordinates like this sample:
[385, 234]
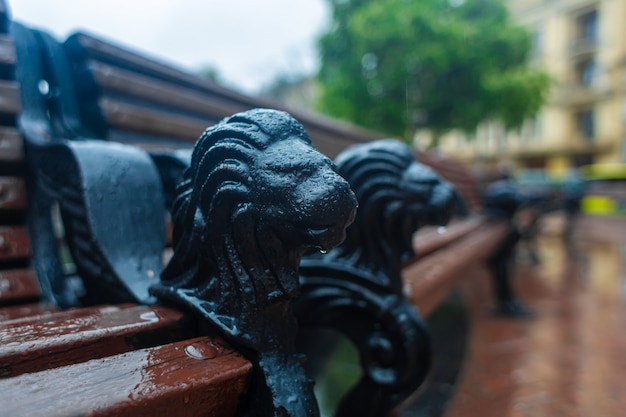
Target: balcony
[583, 46]
[575, 94]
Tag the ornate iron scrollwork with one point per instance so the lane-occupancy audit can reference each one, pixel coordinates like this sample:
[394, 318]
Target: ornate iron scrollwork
[357, 288]
[256, 197]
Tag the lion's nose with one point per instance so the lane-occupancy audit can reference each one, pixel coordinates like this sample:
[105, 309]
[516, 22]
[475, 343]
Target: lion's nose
[341, 201]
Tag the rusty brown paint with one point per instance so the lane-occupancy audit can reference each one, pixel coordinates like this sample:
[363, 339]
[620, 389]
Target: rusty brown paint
[160, 381]
[58, 339]
[430, 279]
[14, 243]
[18, 284]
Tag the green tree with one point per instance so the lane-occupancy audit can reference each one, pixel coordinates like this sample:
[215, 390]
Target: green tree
[400, 65]
[211, 72]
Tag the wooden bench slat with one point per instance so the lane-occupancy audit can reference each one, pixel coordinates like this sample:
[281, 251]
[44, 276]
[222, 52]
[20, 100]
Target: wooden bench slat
[12, 193]
[10, 97]
[77, 336]
[160, 92]
[18, 284]
[43, 312]
[431, 279]
[428, 240]
[14, 243]
[328, 144]
[11, 145]
[197, 377]
[84, 48]
[7, 51]
[18, 312]
[159, 123]
[97, 49]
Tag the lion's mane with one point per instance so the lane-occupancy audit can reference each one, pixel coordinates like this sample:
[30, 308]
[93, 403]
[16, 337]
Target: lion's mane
[396, 196]
[216, 187]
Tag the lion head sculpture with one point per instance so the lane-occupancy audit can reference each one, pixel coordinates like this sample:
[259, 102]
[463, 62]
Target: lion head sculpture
[396, 195]
[256, 196]
[357, 289]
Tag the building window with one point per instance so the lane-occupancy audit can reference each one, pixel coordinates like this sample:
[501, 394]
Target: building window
[588, 26]
[537, 40]
[586, 72]
[536, 128]
[586, 124]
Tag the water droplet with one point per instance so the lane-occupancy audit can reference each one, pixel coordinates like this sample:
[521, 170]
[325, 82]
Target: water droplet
[43, 87]
[323, 251]
[201, 351]
[149, 316]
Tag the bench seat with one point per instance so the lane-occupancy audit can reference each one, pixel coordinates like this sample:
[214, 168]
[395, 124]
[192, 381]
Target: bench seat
[128, 359]
[195, 378]
[430, 279]
[35, 343]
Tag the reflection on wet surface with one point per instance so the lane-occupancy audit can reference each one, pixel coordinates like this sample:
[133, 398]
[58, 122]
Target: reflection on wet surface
[570, 358]
[168, 380]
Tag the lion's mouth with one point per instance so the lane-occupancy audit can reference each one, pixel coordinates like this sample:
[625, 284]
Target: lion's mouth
[322, 233]
[326, 237]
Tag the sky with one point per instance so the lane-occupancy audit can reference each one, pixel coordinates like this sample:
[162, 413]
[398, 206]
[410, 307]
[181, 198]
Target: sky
[249, 42]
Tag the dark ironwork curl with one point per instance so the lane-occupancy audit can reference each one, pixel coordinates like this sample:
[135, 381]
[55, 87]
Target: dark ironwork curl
[256, 197]
[357, 287]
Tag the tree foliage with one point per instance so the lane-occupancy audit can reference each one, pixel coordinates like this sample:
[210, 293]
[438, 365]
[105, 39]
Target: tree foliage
[399, 65]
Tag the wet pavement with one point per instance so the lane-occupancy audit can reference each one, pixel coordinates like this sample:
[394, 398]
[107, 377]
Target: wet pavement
[569, 359]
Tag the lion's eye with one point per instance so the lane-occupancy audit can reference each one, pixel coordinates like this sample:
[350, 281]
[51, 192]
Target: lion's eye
[303, 169]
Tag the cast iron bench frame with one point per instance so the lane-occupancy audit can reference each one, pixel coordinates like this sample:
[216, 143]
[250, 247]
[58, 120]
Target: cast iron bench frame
[118, 115]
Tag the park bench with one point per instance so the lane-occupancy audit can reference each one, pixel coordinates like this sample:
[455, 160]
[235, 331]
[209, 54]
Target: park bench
[83, 100]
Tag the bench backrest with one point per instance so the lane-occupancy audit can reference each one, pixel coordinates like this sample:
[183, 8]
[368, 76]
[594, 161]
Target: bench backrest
[19, 288]
[119, 95]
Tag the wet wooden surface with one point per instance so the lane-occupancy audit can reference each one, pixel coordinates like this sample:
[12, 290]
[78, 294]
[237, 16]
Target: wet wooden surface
[569, 359]
[18, 285]
[14, 243]
[19, 311]
[12, 193]
[430, 280]
[197, 377]
[53, 340]
[429, 239]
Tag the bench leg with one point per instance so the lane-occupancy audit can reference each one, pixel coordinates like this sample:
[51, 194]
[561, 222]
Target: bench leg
[507, 304]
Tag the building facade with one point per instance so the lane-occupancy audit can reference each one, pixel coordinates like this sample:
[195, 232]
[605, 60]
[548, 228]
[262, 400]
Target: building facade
[582, 45]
